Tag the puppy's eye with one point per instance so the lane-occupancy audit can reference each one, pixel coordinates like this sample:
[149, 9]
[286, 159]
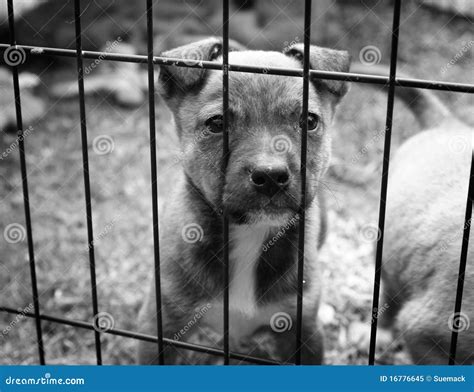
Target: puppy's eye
[313, 122]
[215, 124]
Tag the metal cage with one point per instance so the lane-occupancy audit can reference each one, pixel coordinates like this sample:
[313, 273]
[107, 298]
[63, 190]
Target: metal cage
[392, 81]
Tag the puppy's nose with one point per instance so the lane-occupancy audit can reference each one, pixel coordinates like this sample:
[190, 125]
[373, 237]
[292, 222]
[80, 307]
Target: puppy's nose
[269, 180]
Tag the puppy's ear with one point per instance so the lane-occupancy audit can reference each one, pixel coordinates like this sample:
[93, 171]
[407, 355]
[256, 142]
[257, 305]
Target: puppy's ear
[323, 59]
[178, 81]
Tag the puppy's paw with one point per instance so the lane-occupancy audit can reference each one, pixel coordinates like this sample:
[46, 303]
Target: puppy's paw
[203, 336]
[359, 338]
[262, 344]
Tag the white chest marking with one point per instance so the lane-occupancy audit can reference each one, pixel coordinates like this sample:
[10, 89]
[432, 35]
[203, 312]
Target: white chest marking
[246, 243]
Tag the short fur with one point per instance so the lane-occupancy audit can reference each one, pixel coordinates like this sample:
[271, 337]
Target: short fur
[262, 278]
[426, 203]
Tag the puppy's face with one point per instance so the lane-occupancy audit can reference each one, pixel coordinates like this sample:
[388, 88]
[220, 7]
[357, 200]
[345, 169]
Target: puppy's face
[262, 180]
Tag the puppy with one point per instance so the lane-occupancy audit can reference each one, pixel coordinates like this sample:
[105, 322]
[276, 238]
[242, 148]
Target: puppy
[426, 204]
[259, 192]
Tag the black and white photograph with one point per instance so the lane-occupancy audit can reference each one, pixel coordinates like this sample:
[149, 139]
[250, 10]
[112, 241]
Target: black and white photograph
[236, 182]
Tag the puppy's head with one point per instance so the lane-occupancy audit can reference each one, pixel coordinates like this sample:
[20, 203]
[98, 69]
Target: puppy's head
[262, 180]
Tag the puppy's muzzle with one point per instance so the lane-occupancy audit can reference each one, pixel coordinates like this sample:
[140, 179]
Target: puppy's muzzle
[269, 180]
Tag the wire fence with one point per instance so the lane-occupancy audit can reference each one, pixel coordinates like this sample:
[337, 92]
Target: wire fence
[306, 73]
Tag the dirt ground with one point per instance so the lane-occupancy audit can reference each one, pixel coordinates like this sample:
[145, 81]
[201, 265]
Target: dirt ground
[121, 199]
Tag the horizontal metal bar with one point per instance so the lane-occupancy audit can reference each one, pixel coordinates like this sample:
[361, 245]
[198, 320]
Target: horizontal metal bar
[146, 338]
[296, 72]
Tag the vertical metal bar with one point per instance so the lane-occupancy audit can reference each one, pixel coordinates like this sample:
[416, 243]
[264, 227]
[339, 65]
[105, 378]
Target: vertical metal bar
[85, 165]
[302, 207]
[385, 169]
[26, 199]
[154, 180]
[225, 155]
[463, 261]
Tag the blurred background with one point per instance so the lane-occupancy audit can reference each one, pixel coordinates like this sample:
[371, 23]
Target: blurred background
[436, 42]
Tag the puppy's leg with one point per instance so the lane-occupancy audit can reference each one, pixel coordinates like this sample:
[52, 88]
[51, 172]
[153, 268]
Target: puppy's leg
[173, 322]
[281, 346]
[312, 350]
[424, 330]
[148, 351]
[312, 336]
